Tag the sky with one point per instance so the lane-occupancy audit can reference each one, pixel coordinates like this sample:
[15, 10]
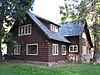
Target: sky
[49, 9]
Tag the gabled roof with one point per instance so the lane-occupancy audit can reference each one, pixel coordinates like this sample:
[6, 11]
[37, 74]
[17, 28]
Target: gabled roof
[51, 35]
[40, 18]
[72, 28]
[75, 28]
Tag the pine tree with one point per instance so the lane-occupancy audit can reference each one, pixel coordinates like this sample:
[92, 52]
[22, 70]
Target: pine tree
[87, 10]
[11, 11]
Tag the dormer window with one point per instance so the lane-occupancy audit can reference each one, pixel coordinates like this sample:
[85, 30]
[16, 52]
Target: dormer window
[54, 28]
[24, 30]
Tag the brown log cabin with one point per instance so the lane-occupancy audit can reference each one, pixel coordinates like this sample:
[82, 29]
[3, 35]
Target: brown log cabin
[44, 42]
[78, 34]
[39, 41]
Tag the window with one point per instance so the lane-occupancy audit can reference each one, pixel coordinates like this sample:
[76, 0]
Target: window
[84, 51]
[63, 48]
[17, 50]
[54, 28]
[54, 49]
[73, 48]
[32, 49]
[24, 30]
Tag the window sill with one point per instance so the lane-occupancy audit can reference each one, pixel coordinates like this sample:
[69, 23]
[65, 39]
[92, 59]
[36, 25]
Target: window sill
[63, 54]
[73, 51]
[54, 54]
[16, 54]
[31, 54]
[25, 34]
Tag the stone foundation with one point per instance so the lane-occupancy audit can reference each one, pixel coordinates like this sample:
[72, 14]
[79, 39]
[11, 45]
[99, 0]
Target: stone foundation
[42, 63]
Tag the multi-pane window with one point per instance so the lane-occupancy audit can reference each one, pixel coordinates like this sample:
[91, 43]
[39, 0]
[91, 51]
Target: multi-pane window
[32, 49]
[24, 30]
[54, 49]
[73, 48]
[63, 48]
[54, 28]
[17, 49]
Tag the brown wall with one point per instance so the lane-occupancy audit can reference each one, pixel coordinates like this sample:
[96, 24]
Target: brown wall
[36, 37]
[83, 42]
[86, 43]
[78, 40]
[59, 56]
[44, 44]
[74, 41]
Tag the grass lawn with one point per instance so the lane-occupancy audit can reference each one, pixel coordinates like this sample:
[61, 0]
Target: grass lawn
[8, 68]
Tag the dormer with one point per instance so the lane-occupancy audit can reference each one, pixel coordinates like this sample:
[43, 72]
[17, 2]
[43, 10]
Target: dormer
[54, 28]
[50, 25]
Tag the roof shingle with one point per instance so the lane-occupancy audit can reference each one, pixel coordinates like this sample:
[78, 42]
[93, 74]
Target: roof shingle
[49, 33]
[72, 28]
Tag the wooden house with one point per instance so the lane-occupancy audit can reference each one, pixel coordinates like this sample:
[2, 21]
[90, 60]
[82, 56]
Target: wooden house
[38, 41]
[78, 34]
[44, 42]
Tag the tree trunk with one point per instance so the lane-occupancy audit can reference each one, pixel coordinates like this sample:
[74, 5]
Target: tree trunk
[95, 31]
[96, 50]
[1, 25]
[1, 57]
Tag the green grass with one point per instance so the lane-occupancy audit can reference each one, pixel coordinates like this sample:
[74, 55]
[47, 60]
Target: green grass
[8, 68]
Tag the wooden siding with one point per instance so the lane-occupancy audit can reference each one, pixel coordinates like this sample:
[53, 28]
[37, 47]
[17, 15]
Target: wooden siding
[44, 45]
[36, 36]
[78, 40]
[59, 56]
[84, 42]
[74, 41]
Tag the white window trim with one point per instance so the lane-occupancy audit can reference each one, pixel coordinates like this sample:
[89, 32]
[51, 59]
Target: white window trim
[62, 50]
[24, 30]
[54, 28]
[27, 49]
[17, 50]
[52, 49]
[73, 48]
